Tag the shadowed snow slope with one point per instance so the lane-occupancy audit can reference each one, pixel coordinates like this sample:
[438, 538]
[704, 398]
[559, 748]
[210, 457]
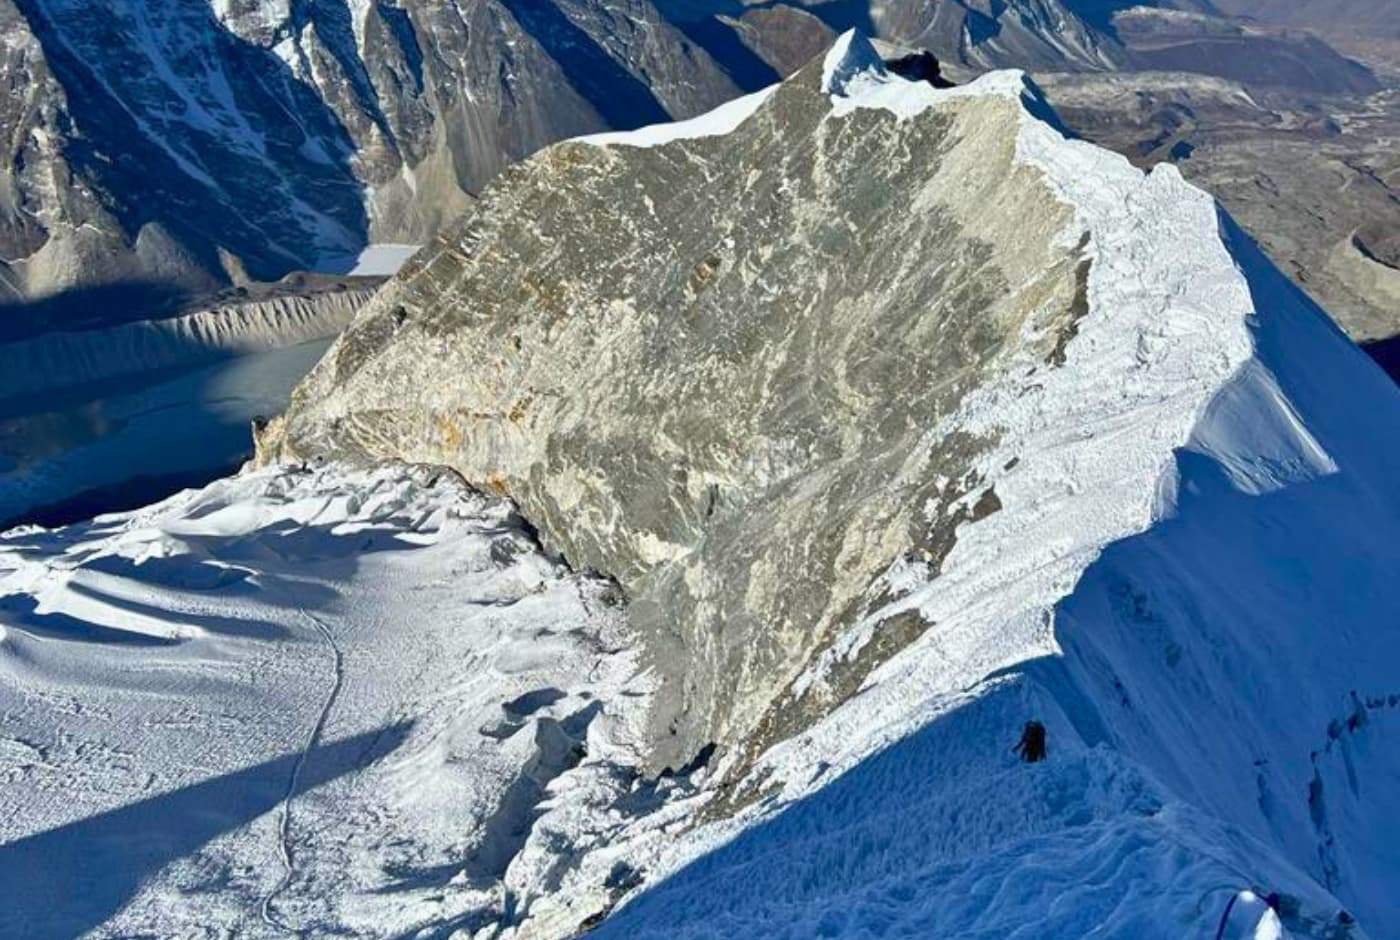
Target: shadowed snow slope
[900, 420]
[1223, 706]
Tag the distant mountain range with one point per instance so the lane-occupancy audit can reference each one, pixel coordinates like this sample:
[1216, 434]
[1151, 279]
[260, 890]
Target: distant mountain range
[195, 144]
[1380, 18]
[158, 150]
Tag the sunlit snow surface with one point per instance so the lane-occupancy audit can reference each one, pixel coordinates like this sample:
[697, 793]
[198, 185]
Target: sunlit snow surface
[382, 260]
[722, 120]
[291, 701]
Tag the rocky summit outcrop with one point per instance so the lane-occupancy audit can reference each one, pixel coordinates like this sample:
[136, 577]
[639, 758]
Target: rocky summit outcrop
[710, 367]
[900, 419]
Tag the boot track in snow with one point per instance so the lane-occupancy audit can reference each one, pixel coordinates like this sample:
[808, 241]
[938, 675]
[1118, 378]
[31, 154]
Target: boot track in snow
[285, 822]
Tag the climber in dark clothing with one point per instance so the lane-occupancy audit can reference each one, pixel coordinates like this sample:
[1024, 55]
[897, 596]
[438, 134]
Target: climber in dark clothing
[1032, 744]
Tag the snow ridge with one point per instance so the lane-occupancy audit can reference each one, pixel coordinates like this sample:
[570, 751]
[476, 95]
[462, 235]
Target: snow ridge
[723, 120]
[1172, 357]
[851, 61]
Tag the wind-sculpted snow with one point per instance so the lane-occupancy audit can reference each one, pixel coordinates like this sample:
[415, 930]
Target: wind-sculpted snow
[297, 701]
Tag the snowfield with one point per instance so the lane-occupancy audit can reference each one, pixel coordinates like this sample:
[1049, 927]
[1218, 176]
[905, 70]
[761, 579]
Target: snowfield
[329, 701]
[376, 260]
[294, 701]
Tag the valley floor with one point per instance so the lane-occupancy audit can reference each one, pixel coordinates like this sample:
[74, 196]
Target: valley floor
[134, 440]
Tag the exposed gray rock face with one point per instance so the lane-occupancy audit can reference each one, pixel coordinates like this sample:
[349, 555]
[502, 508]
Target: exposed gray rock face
[709, 369]
[196, 143]
[58, 228]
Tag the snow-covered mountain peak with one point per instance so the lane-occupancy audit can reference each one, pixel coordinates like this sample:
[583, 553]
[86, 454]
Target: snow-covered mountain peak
[851, 59]
[876, 412]
[892, 420]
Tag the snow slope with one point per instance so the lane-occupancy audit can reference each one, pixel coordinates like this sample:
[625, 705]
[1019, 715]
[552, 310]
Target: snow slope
[381, 260]
[716, 123]
[319, 701]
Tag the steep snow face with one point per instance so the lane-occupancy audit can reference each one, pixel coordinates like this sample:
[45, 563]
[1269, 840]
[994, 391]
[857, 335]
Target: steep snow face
[323, 702]
[1285, 629]
[851, 61]
[1218, 689]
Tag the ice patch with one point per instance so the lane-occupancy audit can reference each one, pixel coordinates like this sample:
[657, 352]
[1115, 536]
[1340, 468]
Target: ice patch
[722, 120]
[381, 260]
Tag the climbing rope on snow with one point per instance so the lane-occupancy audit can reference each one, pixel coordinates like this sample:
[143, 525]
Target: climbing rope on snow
[1225, 917]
